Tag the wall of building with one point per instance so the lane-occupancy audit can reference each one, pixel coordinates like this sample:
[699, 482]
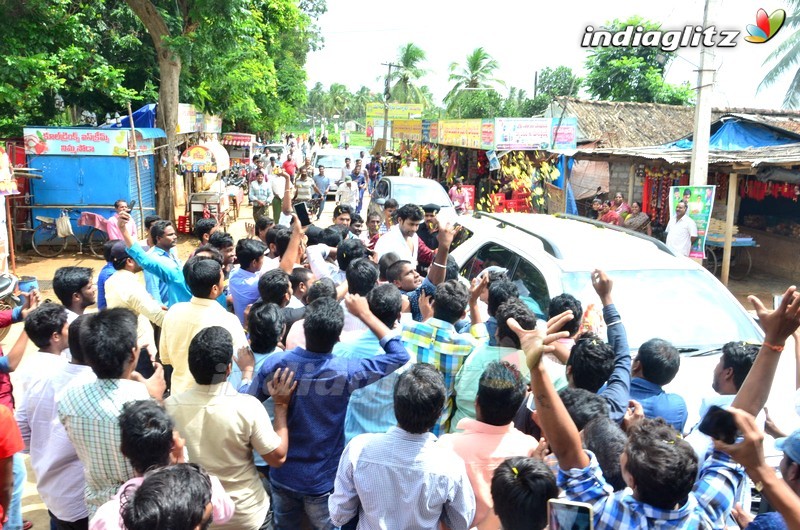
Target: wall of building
[619, 173]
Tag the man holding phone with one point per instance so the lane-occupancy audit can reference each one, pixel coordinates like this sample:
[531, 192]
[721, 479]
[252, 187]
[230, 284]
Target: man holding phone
[113, 231]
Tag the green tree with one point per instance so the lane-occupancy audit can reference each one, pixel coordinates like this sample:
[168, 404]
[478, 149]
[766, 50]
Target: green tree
[339, 99]
[477, 104]
[406, 75]
[559, 81]
[618, 73]
[360, 99]
[476, 73]
[786, 57]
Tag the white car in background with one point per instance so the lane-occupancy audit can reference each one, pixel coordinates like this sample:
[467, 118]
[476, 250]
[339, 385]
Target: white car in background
[657, 293]
[333, 160]
[413, 190]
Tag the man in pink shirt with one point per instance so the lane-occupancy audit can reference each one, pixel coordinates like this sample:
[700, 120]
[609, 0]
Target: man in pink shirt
[486, 442]
[111, 226]
[459, 196]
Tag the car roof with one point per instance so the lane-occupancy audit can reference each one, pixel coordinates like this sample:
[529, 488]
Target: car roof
[577, 245]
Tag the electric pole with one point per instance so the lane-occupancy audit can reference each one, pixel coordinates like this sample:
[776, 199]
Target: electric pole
[702, 112]
[386, 97]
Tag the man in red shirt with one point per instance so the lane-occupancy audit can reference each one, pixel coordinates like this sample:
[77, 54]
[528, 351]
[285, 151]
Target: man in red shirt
[10, 444]
[290, 166]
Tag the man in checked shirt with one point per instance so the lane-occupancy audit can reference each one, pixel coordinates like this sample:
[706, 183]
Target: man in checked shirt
[436, 341]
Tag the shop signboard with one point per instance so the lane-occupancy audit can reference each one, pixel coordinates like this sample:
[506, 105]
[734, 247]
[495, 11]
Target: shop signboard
[565, 133]
[700, 200]
[187, 119]
[198, 159]
[522, 133]
[397, 111]
[460, 133]
[407, 130]
[79, 141]
[487, 134]
[212, 124]
[434, 134]
[426, 130]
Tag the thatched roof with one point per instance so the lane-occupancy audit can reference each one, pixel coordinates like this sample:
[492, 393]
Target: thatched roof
[630, 124]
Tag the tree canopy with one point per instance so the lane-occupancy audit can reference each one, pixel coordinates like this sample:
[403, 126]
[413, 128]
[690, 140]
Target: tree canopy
[785, 58]
[631, 73]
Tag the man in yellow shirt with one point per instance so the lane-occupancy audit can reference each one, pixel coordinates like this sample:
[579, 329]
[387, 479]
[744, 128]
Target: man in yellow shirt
[184, 320]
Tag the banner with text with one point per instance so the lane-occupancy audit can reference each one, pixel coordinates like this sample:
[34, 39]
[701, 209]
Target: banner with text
[397, 111]
[407, 130]
[80, 141]
[565, 133]
[522, 133]
[700, 200]
[460, 133]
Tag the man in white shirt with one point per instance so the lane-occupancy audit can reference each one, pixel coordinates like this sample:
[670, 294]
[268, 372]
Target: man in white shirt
[407, 170]
[402, 238]
[681, 231]
[346, 171]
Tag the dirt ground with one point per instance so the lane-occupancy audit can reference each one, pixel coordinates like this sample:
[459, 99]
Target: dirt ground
[30, 264]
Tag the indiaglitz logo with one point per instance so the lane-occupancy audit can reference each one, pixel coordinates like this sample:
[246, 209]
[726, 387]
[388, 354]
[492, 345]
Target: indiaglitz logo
[766, 26]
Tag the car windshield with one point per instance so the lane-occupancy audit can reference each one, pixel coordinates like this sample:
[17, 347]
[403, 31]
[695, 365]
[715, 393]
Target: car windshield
[330, 161]
[407, 194]
[684, 307]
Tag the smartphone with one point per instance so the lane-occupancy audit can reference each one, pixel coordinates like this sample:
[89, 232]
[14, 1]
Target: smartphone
[131, 205]
[301, 209]
[530, 403]
[569, 515]
[719, 424]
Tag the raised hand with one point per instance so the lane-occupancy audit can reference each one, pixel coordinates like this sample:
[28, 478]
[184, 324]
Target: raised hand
[446, 234]
[602, 286]
[779, 324]
[478, 285]
[282, 386]
[750, 451]
[357, 305]
[425, 305]
[534, 342]
[245, 359]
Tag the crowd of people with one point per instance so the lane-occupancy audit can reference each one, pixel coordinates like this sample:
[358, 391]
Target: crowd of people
[347, 378]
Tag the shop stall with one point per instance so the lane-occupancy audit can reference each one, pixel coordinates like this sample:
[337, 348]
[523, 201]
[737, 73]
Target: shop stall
[208, 197]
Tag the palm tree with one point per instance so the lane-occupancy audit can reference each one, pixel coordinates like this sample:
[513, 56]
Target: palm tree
[338, 99]
[407, 73]
[787, 55]
[360, 99]
[477, 73]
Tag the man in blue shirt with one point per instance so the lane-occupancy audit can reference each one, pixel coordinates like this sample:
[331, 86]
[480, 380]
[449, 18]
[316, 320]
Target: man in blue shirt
[323, 184]
[243, 283]
[318, 408]
[656, 365]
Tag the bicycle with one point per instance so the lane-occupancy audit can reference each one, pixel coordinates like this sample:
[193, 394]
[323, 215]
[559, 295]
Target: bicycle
[48, 244]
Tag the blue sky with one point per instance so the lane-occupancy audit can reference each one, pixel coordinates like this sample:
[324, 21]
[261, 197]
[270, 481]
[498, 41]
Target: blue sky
[527, 36]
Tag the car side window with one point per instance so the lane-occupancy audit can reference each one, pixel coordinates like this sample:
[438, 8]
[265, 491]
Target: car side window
[489, 255]
[382, 190]
[532, 287]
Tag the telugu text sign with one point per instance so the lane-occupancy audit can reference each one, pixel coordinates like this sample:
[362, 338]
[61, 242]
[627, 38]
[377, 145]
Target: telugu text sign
[523, 133]
[397, 111]
[460, 133]
[407, 130]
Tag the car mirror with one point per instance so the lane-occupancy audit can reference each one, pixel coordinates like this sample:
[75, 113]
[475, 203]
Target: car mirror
[381, 201]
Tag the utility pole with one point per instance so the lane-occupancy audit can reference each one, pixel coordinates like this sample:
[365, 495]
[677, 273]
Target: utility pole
[386, 96]
[702, 111]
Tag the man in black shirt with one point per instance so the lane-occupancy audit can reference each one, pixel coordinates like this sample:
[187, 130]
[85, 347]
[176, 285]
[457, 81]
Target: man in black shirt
[430, 227]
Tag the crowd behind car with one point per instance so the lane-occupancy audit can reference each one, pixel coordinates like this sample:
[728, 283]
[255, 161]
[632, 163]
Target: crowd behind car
[351, 378]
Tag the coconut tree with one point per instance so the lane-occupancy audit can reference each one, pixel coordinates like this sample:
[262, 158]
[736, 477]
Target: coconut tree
[405, 76]
[360, 99]
[787, 56]
[338, 99]
[476, 73]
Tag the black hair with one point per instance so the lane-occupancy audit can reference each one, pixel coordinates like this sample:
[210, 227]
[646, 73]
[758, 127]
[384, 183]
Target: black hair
[660, 361]
[386, 261]
[220, 240]
[70, 280]
[385, 302]
[499, 292]
[343, 208]
[394, 271]
[518, 310]
[501, 391]
[362, 276]
[170, 498]
[146, 433]
[209, 251]
[149, 220]
[451, 270]
[42, 322]
[373, 214]
[419, 396]
[391, 203]
[592, 362]
[273, 286]
[210, 353]
[583, 406]
[158, 228]
[271, 237]
[263, 222]
[204, 226]
[603, 437]
[283, 236]
[108, 339]
[564, 302]
[299, 275]
[348, 251]
[410, 212]
[323, 324]
[118, 202]
[740, 356]
[249, 250]
[107, 246]
[662, 464]
[201, 275]
[265, 324]
[331, 236]
[356, 219]
[74, 340]
[322, 288]
[521, 487]
[450, 301]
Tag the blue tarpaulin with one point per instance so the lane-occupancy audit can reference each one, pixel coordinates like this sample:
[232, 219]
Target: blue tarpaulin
[143, 118]
[733, 134]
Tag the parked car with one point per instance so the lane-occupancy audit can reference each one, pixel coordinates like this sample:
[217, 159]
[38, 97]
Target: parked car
[333, 160]
[414, 190]
[277, 150]
[658, 294]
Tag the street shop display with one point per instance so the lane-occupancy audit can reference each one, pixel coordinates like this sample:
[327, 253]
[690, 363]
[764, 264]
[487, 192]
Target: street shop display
[655, 192]
[771, 206]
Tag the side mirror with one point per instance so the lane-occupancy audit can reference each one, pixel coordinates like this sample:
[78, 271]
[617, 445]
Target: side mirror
[380, 202]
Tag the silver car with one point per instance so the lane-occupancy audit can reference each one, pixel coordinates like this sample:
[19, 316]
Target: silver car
[412, 190]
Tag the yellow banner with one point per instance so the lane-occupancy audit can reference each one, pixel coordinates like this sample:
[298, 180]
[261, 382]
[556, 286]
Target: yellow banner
[397, 111]
[460, 133]
[407, 130]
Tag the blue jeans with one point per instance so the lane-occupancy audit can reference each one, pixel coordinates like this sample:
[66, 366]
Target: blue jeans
[289, 506]
[15, 508]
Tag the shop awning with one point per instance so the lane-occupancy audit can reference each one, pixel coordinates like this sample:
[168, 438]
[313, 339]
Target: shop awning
[148, 133]
[238, 139]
